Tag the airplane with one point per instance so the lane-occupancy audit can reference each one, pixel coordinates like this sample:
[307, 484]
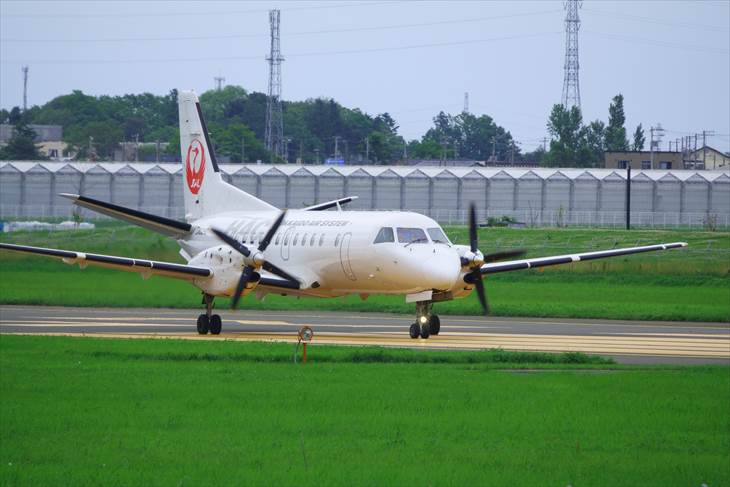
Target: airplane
[236, 244]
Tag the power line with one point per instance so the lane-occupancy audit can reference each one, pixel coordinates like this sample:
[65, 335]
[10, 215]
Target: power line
[303, 54]
[651, 20]
[303, 33]
[654, 42]
[188, 14]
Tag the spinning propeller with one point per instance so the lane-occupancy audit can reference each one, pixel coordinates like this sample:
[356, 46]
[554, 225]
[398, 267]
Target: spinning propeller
[477, 259]
[256, 258]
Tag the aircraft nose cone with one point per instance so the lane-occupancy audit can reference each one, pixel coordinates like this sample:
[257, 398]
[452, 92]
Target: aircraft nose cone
[442, 270]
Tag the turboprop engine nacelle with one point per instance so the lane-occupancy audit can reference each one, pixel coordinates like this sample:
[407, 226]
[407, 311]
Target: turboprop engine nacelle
[226, 264]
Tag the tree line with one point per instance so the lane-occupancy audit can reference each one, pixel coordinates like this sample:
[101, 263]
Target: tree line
[314, 129]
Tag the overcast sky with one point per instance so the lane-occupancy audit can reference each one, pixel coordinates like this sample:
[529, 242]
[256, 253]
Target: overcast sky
[670, 59]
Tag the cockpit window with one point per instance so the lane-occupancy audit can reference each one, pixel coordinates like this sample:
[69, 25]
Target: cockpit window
[412, 235]
[385, 235]
[437, 236]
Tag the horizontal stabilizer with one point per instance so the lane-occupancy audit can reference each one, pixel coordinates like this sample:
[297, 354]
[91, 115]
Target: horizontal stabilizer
[330, 204]
[144, 267]
[159, 224]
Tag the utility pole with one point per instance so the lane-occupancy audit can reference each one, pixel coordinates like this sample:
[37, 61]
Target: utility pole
[628, 196]
[136, 147]
[544, 144]
[301, 151]
[219, 80]
[157, 150]
[466, 102]
[367, 148]
[337, 139]
[705, 133]
[274, 136]
[494, 148]
[405, 150]
[316, 155]
[25, 88]
[243, 150]
[571, 85]
[286, 149]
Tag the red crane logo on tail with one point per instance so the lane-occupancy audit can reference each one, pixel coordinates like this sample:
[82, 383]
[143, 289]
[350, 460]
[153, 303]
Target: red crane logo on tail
[195, 166]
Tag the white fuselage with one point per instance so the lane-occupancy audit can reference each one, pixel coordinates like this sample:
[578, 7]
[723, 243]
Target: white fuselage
[332, 253]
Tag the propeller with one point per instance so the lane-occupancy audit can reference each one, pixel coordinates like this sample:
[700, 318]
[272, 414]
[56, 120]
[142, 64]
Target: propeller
[477, 259]
[256, 257]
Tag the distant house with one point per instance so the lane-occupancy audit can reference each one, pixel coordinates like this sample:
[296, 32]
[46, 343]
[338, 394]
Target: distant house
[643, 160]
[48, 138]
[708, 158]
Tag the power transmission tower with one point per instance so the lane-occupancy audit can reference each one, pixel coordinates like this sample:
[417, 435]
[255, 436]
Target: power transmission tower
[571, 85]
[466, 102]
[219, 80]
[274, 136]
[25, 88]
[655, 132]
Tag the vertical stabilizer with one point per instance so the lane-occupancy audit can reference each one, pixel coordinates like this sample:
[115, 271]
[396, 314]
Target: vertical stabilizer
[205, 192]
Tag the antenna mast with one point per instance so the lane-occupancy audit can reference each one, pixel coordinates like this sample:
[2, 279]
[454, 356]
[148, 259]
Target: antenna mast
[571, 86]
[274, 136]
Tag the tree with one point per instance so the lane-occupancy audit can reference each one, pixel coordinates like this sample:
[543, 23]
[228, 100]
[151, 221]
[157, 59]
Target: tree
[639, 138]
[594, 144]
[616, 132]
[565, 127]
[21, 145]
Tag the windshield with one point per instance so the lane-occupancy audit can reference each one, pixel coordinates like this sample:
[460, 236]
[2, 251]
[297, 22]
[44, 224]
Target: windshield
[412, 235]
[385, 235]
[437, 236]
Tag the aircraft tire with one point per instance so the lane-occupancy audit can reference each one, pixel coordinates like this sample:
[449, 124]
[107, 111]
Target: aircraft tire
[215, 325]
[203, 324]
[434, 324]
[415, 330]
[426, 331]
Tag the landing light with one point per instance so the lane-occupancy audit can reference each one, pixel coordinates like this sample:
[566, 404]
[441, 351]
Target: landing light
[423, 320]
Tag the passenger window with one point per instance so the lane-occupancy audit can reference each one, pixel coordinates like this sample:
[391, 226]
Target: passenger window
[412, 235]
[311, 242]
[276, 242]
[304, 239]
[384, 235]
[437, 236]
[286, 240]
[337, 240]
[296, 237]
[321, 240]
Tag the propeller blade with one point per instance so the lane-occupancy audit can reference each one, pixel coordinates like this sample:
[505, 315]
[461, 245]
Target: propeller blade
[245, 277]
[473, 239]
[506, 254]
[232, 242]
[270, 234]
[278, 271]
[481, 293]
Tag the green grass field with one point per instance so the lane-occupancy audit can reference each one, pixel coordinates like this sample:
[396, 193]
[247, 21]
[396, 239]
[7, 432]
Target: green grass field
[685, 284]
[78, 411]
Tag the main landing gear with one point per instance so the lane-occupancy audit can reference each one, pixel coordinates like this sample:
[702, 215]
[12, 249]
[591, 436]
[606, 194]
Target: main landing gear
[208, 322]
[426, 324]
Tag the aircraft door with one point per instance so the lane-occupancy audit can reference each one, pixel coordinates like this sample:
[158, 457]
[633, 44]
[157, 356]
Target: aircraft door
[345, 257]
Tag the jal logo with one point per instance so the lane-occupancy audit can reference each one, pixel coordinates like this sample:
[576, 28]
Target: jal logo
[195, 166]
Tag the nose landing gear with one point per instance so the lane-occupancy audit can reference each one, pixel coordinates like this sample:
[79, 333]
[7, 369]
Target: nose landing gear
[208, 322]
[426, 324]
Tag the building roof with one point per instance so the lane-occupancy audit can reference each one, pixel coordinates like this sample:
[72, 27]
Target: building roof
[266, 170]
[44, 133]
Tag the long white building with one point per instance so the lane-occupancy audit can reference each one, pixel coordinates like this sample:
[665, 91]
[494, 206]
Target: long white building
[533, 196]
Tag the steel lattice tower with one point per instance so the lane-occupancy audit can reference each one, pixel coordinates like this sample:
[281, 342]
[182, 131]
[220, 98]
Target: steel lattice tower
[274, 136]
[571, 85]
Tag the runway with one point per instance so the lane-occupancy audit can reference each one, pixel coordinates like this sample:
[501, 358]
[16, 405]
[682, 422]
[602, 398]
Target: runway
[626, 341]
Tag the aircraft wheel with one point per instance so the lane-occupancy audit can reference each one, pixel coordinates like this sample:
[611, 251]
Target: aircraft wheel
[435, 325]
[215, 325]
[203, 324]
[425, 331]
[415, 330]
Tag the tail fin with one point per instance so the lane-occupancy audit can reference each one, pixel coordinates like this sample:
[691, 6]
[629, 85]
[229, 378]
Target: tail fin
[205, 191]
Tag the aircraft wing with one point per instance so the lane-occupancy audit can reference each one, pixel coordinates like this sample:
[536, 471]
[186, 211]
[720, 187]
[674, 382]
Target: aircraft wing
[144, 267]
[516, 265]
